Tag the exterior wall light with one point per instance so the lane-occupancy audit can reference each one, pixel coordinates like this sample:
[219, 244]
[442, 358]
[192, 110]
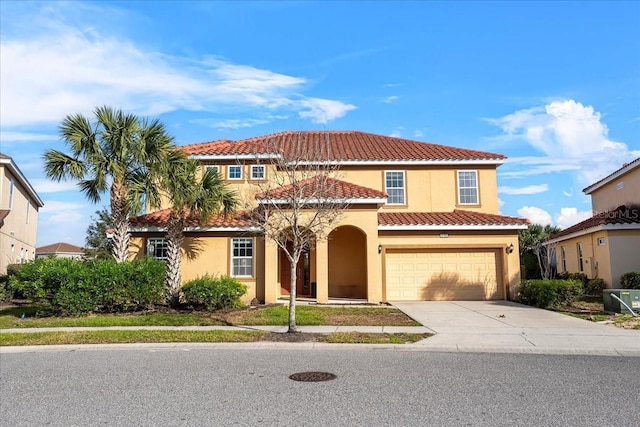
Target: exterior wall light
[379, 249]
[509, 248]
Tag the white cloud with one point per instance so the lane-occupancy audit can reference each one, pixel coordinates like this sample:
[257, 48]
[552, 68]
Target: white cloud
[500, 205]
[231, 123]
[397, 132]
[571, 216]
[530, 189]
[570, 135]
[568, 193]
[47, 186]
[51, 206]
[62, 68]
[418, 133]
[323, 110]
[535, 215]
[390, 99]
[26, 136]
[66, 217]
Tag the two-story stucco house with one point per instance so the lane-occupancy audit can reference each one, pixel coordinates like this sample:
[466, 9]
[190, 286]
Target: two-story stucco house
[18, 215]
[606, 245]
[422, 223]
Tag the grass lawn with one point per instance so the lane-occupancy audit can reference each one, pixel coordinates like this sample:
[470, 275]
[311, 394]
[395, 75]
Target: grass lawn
[120, 337]
[307, 315]
[592, 308]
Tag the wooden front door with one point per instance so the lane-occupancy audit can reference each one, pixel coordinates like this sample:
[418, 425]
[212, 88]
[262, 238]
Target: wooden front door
[303, 271]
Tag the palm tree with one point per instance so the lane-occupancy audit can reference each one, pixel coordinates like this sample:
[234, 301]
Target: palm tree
[106, 155]
[532, 241]
[194, 200]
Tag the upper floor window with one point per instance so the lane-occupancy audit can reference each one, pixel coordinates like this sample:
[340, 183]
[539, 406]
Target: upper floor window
[215, 168]
[28, 209]
[242, 257]
[257, 172]
[394, 184]
[11, 186]
[468, 187]
[234, 172]
[157, 248]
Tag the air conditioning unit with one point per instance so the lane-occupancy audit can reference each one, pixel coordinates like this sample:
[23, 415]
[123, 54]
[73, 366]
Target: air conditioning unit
[18, 260]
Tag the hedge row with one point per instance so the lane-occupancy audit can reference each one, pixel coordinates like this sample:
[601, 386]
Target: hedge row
[213, 293]
[71, 287]
[630, 280]
[549, 293]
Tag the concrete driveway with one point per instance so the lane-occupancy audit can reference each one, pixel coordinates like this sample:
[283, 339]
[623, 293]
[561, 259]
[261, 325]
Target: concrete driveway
[507, 326]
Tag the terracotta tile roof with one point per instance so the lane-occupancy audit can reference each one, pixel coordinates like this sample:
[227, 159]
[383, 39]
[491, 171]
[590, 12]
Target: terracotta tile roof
[326, 187]
[457, 217]
[343, 146]
[620, 215]
[60, 247]
[627, 167]
[159, 219]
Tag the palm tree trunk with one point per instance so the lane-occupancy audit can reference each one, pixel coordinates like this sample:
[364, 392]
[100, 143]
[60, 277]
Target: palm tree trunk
[120, 214]
[292, 297]
[175, 236]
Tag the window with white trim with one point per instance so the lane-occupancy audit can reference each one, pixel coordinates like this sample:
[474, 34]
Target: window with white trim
[234, 172]
[11, 186]
[215, 168]
[394, 185]
[257, 172]
[157, 248]
[580, 260]
[468, 188]
[563, 256]
[242, 257]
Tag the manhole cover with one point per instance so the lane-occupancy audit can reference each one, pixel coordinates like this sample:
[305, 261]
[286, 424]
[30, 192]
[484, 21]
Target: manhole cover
[312, 376]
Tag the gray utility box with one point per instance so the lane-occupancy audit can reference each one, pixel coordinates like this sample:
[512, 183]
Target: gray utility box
[630, 296]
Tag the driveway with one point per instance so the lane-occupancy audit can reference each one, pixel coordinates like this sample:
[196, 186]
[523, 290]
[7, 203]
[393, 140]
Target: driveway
[508, 326]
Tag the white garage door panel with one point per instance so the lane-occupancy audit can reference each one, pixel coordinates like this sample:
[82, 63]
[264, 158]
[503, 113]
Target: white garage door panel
[451, 275]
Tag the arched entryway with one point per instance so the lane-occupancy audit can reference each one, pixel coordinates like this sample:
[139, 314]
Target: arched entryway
[347, 263]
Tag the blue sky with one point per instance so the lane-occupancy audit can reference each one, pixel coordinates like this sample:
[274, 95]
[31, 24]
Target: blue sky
[555, 86]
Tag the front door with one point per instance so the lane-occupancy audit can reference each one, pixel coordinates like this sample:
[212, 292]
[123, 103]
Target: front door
[303, 274]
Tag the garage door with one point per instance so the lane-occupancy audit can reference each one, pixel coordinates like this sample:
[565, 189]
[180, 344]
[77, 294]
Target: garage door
[443, 276]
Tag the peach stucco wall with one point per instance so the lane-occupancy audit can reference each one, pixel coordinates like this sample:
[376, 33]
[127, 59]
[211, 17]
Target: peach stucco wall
[610, 197]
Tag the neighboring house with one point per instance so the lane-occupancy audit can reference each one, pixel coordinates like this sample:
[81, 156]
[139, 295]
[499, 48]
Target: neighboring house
[60, 250]
[606, 245]
[422, 223]
[18, 215]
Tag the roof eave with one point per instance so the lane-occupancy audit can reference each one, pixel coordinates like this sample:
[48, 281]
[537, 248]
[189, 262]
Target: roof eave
[350, 201]
[156, 229]
[615, 175]
[15, 170]
[441, 227]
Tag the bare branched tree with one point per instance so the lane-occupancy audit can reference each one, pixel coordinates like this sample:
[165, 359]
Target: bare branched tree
[301, 200]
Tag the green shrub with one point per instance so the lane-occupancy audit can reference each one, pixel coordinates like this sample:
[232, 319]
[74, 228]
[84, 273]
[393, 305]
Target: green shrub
[595, 287]
[5, 288]
[580, 277]
[630, 280]
[549, 293]
[213, 293]
[67, 286]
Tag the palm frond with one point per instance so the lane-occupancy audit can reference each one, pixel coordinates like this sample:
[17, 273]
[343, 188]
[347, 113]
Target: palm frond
[92, 189]
[59, 166]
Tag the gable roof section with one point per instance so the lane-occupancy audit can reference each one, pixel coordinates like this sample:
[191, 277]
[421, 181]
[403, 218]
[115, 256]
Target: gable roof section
[619, 218]
[628, 167]
[157, 221]
[59, 248]
[15, 171]
[345, 147]
[320, 188]
[456, 220]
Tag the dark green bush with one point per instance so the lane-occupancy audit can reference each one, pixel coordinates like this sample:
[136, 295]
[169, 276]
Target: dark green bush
[630, 280]
[5, 288]
[595, 287]
[213, 293]
[549, 293]
[67, 286]
[580, 277]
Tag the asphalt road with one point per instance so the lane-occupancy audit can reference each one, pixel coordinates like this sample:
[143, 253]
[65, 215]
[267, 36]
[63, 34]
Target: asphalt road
[232, 386]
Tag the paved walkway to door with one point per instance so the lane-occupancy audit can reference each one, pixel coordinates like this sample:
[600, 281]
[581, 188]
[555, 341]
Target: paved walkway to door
[507, 326]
